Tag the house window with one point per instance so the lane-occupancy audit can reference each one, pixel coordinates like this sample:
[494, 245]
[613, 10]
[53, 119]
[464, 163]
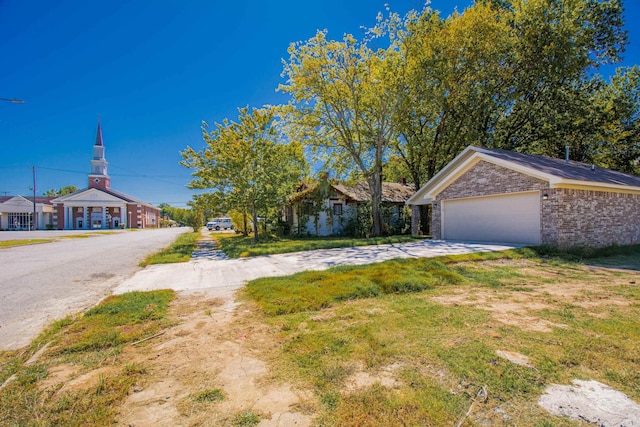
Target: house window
[337, 208]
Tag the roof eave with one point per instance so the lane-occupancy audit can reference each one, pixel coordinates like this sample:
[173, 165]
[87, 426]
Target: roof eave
[594, 186]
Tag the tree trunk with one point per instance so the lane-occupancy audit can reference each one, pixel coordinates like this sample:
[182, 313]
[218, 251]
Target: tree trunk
[254, 213]
[245, 233]
[376, 200]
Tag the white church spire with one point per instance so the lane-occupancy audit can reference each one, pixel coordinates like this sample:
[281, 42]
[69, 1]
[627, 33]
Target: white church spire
[99, 178]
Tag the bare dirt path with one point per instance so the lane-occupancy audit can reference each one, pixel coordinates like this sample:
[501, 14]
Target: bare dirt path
[214, 346]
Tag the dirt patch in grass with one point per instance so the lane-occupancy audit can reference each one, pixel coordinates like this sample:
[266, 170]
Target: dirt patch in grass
[229, 351]
[211, 348]
[589, 287]
[387, 376]
[508, 312]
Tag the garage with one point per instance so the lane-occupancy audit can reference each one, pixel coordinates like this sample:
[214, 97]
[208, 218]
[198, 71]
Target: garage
[492, 195]
[513, 218]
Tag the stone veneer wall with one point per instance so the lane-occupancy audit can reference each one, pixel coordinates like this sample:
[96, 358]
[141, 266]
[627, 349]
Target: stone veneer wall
[415, 221]
[483, 179]
[597, 218]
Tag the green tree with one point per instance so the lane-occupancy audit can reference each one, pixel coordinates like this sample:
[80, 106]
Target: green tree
[193, 217]
[558, 45]
[345, 95]
[619, 137]
[453, 88]
[506, 74]
[61, 192]
[245, 166]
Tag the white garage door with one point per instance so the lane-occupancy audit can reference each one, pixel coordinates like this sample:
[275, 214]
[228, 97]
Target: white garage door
[512, 218]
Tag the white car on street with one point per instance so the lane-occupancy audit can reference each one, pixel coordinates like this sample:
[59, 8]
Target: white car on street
[220, 224]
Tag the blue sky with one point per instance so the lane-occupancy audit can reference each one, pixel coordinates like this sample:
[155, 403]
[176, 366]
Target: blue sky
[152, 71]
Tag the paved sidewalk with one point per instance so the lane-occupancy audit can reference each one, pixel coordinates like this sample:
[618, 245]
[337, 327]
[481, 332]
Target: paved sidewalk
[216, 276]
[208, 249]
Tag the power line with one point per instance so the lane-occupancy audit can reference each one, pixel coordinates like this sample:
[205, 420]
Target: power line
[61, 170]
[133, 175]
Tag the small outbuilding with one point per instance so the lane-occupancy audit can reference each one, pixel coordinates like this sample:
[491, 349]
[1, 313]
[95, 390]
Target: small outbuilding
[491, 195]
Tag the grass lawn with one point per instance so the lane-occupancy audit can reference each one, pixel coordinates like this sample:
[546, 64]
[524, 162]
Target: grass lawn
[179, 251]
[22, 242]
[238, 246]
[417, 342]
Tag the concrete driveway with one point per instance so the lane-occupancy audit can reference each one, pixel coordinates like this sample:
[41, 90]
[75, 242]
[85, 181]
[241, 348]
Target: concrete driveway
[215, 276]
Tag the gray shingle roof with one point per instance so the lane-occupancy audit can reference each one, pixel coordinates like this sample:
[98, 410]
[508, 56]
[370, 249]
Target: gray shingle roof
[558, 167]
[39, 199]
[392, 192]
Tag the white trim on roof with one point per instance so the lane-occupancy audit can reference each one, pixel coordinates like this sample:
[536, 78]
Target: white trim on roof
[599, 186]
[91, 195]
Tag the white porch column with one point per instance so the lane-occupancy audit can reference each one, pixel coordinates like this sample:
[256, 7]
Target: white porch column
[87, 217]
[104, 216]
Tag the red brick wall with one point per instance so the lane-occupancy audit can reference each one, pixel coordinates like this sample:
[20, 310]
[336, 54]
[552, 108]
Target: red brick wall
[58, 220]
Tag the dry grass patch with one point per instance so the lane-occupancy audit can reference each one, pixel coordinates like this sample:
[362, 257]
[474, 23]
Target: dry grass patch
[448, 353]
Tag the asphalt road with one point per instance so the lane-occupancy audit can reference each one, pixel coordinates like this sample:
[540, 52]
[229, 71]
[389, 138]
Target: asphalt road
[44, 282]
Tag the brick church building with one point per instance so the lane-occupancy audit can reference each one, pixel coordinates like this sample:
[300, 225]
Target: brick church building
[99, 206]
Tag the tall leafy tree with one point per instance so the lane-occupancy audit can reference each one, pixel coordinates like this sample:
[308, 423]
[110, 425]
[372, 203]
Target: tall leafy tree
[511, 74]
[454, 87]
[619, 136]
[559, 45]
[345, 95]
[245, 166]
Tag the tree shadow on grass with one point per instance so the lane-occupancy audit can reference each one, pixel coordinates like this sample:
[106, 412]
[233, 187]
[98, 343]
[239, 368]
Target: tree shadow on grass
[622, 257]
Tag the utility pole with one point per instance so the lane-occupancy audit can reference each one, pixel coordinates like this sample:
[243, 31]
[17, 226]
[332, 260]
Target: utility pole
[35, 217]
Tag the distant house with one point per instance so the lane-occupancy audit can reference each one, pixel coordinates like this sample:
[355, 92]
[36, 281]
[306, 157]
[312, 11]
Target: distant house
[16, 213]
[490, 195]
[99, 206]
[330, 209]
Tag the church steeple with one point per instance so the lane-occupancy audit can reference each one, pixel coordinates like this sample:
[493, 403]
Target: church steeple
[99, 136]
[98, 178]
